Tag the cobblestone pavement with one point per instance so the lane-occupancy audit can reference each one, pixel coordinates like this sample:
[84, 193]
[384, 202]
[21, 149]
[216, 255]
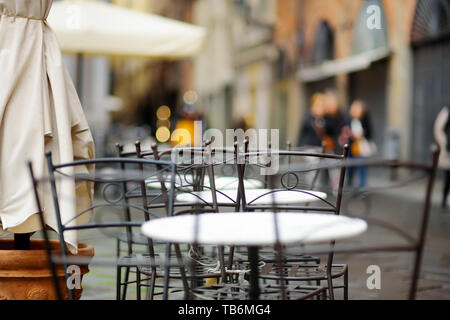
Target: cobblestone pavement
[395, 267]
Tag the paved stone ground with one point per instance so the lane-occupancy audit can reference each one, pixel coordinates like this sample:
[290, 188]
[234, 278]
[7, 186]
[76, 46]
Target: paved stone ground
[399, 206]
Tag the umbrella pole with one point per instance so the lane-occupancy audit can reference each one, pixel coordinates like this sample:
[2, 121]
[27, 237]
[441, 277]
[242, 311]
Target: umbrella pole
[22, 241]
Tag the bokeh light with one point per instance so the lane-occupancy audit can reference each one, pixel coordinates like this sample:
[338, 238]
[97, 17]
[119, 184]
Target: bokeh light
[162, 134]
[163, 113]
[190, 97]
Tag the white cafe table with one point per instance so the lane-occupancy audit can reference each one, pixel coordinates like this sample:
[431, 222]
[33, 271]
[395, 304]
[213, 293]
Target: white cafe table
[254, 196]
[254, 229]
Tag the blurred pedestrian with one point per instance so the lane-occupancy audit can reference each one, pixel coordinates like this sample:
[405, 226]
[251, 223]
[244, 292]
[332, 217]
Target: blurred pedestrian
[357, 132]
[442, 137]
[334, 119]
[314, 130]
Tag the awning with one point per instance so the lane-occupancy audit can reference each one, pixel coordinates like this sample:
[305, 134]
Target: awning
[92, 27]
[333, 68]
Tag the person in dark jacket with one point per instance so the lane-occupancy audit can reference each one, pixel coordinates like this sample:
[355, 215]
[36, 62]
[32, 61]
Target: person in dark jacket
[357, 132]
[313, 128]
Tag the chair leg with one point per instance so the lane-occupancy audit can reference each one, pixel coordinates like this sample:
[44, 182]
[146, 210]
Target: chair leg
[346, 284]
[329, 277]
[230, 257]
[330, 286]
[320, 296]
[118, 281]
[222, 264]
[138, 284]
[125, 285]
[166, 273]
[415, 276]
[183, 272]
[151, 291]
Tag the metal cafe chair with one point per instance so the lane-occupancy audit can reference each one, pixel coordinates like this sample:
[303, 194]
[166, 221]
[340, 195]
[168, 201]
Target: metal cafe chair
[187, 176]
[237, 257]
[223, 164]
[131, 237]
[110, 178]
[228, 167]
[402, 231]
[252, 172]
[234, 290]
[193, 273]
[128, 237]
[228, 290]
[296, 266]
[212, 289]
[193, 174]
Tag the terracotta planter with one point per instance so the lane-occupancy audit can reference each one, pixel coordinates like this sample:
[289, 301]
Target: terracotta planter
[25, 275]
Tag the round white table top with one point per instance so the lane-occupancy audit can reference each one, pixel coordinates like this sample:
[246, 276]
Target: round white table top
[222, 183]
[254, 196]
[254, 228]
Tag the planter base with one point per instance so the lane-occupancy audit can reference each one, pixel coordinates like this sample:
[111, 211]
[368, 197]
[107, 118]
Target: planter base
[25, 275]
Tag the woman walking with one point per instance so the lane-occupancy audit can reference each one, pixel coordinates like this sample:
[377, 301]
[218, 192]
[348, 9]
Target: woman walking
[358, 134]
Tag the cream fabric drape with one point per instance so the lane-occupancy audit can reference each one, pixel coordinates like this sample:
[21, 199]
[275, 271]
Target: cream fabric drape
[39, 111]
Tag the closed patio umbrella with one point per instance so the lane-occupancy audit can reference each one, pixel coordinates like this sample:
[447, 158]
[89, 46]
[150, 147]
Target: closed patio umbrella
[39, 110]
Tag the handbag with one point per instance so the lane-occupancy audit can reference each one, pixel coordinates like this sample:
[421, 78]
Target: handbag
[367, 148]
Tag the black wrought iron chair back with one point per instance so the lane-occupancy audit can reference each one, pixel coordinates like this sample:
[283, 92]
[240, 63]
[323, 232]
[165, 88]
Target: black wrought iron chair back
[129, 237]
[235, 291]
[195, 173]
[112, 179]
[359, 200]
[189, 177]
[298, 183]
[303, 181]
[197, 170]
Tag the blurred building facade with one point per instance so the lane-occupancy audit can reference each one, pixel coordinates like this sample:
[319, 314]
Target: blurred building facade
[234, 76]
[339, 49]
[265, 58]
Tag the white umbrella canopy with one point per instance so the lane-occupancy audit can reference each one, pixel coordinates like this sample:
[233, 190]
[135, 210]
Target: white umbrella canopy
[92, 27]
